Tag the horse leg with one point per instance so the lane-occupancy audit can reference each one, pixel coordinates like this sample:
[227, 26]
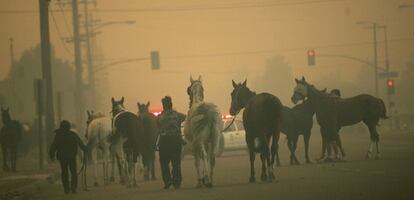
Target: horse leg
[212, 161]
[252, 156]
[263, 176]
[112, 178]
[374, 139]
[4, 151]
[206, 162]
[324, 144]
[306, 138]
[197, 166]
[94, 155]
[339, 143]
[293, 151]
[153, 177]
[13, 157]
[270, 175]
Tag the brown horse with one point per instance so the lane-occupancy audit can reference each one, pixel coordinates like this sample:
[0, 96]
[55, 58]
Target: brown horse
[150, 136]
[332, 113]
[262, 122]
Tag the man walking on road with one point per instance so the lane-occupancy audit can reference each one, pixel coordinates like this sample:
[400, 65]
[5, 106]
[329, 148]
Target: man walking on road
[170, 143]
[65, 148]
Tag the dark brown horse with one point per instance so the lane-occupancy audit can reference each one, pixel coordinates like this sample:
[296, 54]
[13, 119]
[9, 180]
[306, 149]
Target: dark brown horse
[332, 113]
[127, 140]
[262, 122]
[297, 121]
[10, 136]
[150, 138]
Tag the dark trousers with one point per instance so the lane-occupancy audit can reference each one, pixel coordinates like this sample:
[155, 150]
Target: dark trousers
[170, 152]
[67, 165]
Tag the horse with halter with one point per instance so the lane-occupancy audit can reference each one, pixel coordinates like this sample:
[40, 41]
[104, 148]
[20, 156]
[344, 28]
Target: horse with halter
[98, 134]
[262, 118]
[149, 122]
[10, 136]
[202, 128]
[332, 113]
[126, 141]
[297, 121]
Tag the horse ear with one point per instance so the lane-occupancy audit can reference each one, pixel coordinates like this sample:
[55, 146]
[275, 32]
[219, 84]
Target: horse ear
[148, 104]
[122, 100]
[324, 90]
[191, 79]
[296, 80]
[113, 100]
[138, 104]
[303, 79]
[234, 84]
[244, 83]
[87, 112]
[199, 77]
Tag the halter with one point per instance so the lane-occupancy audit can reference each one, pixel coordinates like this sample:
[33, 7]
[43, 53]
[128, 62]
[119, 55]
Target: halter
[236, 101]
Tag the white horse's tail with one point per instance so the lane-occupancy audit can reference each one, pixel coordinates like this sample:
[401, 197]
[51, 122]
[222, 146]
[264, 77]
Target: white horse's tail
[215, 134]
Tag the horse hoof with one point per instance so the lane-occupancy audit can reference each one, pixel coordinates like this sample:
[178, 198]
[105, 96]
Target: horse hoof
[112, 179]
[263, 178]
[154, 178]
[96, 184]
[377, 157]
[309, 162]
[209, 185]
[146, 178]
[368, 156]
[278, 164]
[252, 180]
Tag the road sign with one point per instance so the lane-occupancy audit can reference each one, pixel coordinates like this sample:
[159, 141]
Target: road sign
[389, 75]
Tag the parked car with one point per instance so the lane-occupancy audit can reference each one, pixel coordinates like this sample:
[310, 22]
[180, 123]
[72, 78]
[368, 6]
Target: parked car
[235, 136]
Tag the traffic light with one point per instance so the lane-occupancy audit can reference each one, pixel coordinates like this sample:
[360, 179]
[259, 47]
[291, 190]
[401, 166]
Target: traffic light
[391, 87]
[311, 57]
[155, 60]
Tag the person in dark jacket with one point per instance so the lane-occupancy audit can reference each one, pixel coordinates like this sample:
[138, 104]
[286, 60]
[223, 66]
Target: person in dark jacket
[65, 148]
[170, 143]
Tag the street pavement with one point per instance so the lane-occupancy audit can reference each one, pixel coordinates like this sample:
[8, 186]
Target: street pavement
[390, 177]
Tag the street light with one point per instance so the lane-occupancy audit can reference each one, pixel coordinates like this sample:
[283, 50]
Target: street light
[374, 27]
[405, 6]
[129, 22]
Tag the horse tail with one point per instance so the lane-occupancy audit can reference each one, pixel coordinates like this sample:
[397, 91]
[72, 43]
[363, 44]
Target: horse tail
[215, 134]
[383, 110]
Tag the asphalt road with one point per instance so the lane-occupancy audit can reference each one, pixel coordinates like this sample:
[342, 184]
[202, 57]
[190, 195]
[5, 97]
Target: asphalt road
[390, 177]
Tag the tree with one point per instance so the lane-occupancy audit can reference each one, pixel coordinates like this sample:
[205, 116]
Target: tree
[404, 89]
[277, 79]
[19, 93]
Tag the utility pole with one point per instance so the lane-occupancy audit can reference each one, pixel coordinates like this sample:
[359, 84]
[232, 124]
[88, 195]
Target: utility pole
[46, 65]
[375, 59]
[78, 65]
[91, 74]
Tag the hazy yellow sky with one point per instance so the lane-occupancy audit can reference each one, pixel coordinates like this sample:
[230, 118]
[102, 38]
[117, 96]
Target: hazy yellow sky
[287, 30]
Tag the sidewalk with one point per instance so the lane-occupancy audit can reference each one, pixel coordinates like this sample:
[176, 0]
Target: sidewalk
[24, 182]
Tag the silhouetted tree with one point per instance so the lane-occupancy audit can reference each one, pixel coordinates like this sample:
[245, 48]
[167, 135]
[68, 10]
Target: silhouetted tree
[277, 79]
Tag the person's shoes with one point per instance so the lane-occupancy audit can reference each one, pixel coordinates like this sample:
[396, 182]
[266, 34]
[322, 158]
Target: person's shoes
[167, 186]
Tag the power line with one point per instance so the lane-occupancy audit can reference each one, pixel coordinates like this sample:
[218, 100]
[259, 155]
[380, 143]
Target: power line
[64, 17]
[206, 8]
[178, 9]
[60, 34]
[280, 50]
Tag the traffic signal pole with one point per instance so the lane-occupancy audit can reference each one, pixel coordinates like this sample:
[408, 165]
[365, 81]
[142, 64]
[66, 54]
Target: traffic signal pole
[375, 58]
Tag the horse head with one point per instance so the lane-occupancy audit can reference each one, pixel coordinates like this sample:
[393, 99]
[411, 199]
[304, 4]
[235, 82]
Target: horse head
[143, 108]
[195, 91]
[301, 90]
[117, 106]
[240, 95]
[5, 115]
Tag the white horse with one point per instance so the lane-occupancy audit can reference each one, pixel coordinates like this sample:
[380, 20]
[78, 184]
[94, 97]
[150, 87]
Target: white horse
[98, 132]
[202, 129]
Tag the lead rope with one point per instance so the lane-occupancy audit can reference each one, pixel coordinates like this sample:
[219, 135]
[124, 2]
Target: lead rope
[231, 123]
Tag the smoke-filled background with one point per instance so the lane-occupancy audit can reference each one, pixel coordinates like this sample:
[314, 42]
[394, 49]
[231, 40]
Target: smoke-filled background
[264, 41]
